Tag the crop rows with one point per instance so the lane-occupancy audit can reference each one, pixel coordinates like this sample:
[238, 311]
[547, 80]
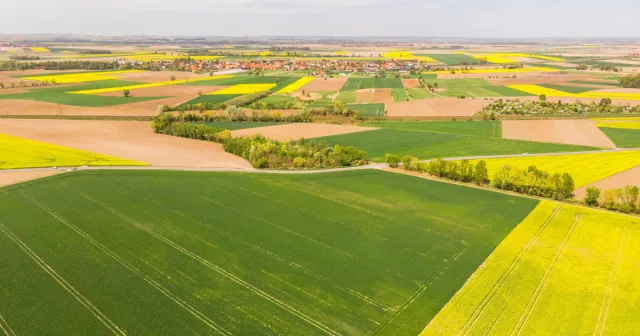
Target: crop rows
[172, 253]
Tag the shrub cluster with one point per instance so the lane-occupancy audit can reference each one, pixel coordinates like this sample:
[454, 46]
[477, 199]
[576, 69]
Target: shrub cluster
[261, 152]
[464, 171]
[542, 107]
[264, 153]
[530, 181]
[623, 199]
[235, 113]
[631, 81]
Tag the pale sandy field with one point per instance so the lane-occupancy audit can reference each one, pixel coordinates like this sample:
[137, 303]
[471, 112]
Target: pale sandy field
[437, 107]
[9, 177]
[574, 132]
[132, 140]
[296, 131]
[627, 177]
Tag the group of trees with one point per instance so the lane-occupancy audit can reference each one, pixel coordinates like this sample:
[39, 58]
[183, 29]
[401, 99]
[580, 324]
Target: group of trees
[235, 113]
[623, 199]
[22, 84]
[531, 181]
[630, 81]
[24, 57]
[336, 108]
[543, 107]
[262, 152]
[265, 153]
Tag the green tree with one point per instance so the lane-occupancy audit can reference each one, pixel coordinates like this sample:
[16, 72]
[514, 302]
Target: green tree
[392, 160]
[630, 81]
[592, 196]
[481, 174]
[542, 97]
[126, 93]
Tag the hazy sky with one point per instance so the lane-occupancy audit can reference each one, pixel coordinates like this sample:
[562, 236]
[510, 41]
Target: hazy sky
[467, 18]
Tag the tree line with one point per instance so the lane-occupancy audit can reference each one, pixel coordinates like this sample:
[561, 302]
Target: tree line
[543, 107]
[530, 181]
[630, 81]
[622, 199]
[262, 152]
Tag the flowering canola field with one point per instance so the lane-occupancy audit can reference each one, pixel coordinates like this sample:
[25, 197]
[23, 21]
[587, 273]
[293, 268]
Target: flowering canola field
[628, 123]
[40, 49]
[584, 168]
[405, 55]
[551, 277]
[148, 85]
[24, 153]
[244, 89]
[80, 77]
[539, 90]
[296, 85]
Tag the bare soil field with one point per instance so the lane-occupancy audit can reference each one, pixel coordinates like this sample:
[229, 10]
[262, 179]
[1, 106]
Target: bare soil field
[35, 108]
[411, 83]
[574, 132]
[300, 130]
[382, 96]
[364, 97]
[8, 177]
[621, 180]
[438, 107]
[329, 84]
[132, 140]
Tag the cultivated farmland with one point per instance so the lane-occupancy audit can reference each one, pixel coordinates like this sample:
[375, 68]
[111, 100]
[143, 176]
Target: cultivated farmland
[354, 84]
[172, 253]
[584, 168]
[551, 277]
[23, 153]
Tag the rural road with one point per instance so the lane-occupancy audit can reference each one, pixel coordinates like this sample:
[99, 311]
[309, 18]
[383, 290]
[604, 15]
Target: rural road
[316, 171]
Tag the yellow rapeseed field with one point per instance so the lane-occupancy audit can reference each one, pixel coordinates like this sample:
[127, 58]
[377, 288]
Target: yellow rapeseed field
[244, 89]
[149, 85]
[564, 270]
[297, 85]
[500, 70]
[24, 153]
[628, 123]
[538, 90]
[584, 168]
[81, 77]
[406, 55]
[40, 49]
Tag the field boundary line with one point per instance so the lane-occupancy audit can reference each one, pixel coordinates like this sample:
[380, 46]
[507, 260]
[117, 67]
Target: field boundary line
[608, 294]
[133, 269]
[6, 328]
[440, 271]
[62, 282]
[216, 268]
[508, 271]
[542, 284]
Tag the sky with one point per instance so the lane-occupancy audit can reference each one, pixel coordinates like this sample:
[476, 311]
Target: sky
[431, 18]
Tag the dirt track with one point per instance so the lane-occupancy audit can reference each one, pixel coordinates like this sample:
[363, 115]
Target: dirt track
[574, 132]
[296, 131]
[132, 140]
[627, 177]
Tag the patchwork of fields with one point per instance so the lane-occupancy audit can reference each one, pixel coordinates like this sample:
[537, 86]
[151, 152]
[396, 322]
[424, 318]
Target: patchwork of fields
[124, 253]
[551, 277]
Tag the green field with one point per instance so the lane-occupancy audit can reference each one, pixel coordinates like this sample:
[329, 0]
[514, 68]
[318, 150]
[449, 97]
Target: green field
[622, 137]
[368, 110]
[185, 253]
[428, 145]
[59, 95]
[482, 128]
[277, 99]
[242, 79]
[325, 100]
[399, 95]
[452, 59]
[235, 125]
[505, 91]
[347, 97]
[567, 88]
[417, 94]
[212, 99]
[594, 83]
[354, 84]
[565, 270]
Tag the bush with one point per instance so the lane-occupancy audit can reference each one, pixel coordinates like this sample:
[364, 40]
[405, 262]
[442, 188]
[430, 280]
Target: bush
[392, 160]
[591, 198]
[630, 81]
